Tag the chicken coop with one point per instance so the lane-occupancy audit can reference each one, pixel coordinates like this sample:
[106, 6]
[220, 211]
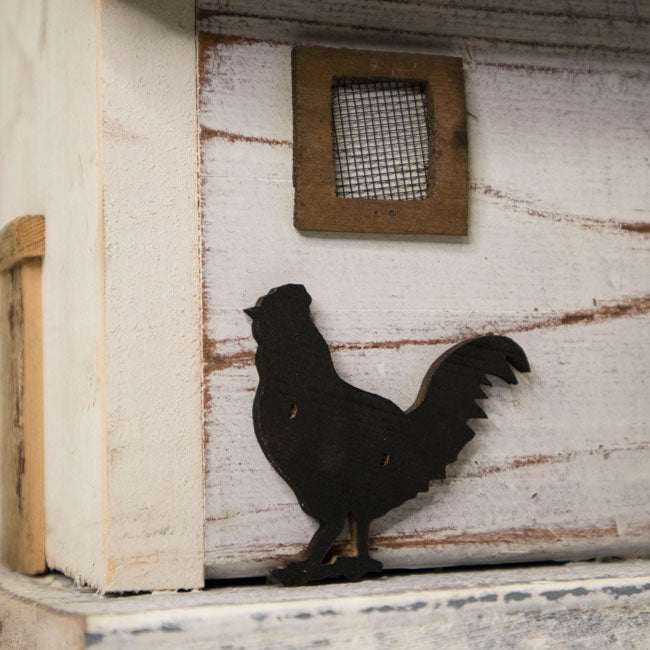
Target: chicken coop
[430, 172]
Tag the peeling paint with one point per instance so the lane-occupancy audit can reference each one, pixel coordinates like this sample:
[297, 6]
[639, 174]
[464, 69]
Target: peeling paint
[561, 593]
[516, 596]
[433, 538]
[208, 39]
[542, 459]
[637, 226]
[461, 602]
[165, 627]
[628, 590]
[207, 133]
[385, 609]
[590, 223]
[328, 612]
[554, 70]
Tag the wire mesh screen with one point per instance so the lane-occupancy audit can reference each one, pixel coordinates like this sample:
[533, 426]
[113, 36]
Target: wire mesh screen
[381, 142]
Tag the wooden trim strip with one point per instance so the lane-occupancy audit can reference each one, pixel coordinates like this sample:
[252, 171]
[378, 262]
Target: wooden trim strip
[22, 495]
[21, 239]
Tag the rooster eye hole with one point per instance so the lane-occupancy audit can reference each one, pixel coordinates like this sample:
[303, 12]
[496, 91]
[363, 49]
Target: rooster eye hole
[385, 458]
[294, 412]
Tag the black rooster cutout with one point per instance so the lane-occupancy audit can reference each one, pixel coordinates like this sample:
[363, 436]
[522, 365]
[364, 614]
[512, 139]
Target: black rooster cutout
[351, 454]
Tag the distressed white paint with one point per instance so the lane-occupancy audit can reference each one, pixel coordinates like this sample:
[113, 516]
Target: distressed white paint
[154, 462]
[99, 134]
[50, 165]
[558, 165]
[584, 604]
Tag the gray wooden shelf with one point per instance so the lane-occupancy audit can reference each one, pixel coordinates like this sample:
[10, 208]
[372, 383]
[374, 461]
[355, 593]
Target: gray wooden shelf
[581, 604]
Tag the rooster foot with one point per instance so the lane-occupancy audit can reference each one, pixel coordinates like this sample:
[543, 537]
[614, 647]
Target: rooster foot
[353, 568]
[304, 572]
[294, 574]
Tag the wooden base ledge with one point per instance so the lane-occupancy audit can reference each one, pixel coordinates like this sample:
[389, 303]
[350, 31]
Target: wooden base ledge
[597, 604]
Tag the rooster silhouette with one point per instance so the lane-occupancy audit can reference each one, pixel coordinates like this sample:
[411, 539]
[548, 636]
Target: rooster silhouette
[350, 454]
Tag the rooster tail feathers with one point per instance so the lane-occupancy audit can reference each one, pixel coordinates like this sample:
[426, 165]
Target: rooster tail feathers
[447, 397]
[494, 355]
[514, 354]
[454, 381]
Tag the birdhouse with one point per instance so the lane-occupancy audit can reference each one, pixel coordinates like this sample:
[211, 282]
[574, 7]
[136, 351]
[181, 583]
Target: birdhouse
[429, 172]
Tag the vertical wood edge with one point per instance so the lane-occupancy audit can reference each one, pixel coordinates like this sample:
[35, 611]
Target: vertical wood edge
[162, 548]
[22, 244]
[34, 478]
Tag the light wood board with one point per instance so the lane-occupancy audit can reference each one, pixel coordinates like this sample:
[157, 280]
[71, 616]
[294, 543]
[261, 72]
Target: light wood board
[556, 256]
[22, 516]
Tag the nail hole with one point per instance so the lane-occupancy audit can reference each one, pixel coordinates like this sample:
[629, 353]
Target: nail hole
[294, 412]
[385, 459]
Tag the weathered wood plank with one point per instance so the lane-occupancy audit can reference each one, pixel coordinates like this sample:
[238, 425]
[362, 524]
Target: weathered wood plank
[591, 604]
[556, 257]
[22, 512]
[568, 455]
[620, 28]
[28, 626]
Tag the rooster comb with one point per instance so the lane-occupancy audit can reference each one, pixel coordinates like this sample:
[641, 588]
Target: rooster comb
[294, 292]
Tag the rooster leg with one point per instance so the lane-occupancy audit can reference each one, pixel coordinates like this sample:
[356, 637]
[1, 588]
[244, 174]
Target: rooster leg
[322, 540]
[359, 533]
[310, 567]
[359, 537]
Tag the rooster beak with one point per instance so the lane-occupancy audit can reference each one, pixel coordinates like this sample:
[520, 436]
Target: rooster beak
[251, 311]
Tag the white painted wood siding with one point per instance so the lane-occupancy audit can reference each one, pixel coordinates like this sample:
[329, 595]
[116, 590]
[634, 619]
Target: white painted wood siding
[557, 257]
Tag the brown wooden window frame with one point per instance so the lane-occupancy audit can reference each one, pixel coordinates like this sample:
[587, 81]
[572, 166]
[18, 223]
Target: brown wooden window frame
[317, 206]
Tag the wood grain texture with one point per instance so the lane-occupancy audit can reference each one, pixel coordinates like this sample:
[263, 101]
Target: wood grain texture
[317, 206]
[595, 605]
[20, 239]
[557, 256]
[22, 515]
